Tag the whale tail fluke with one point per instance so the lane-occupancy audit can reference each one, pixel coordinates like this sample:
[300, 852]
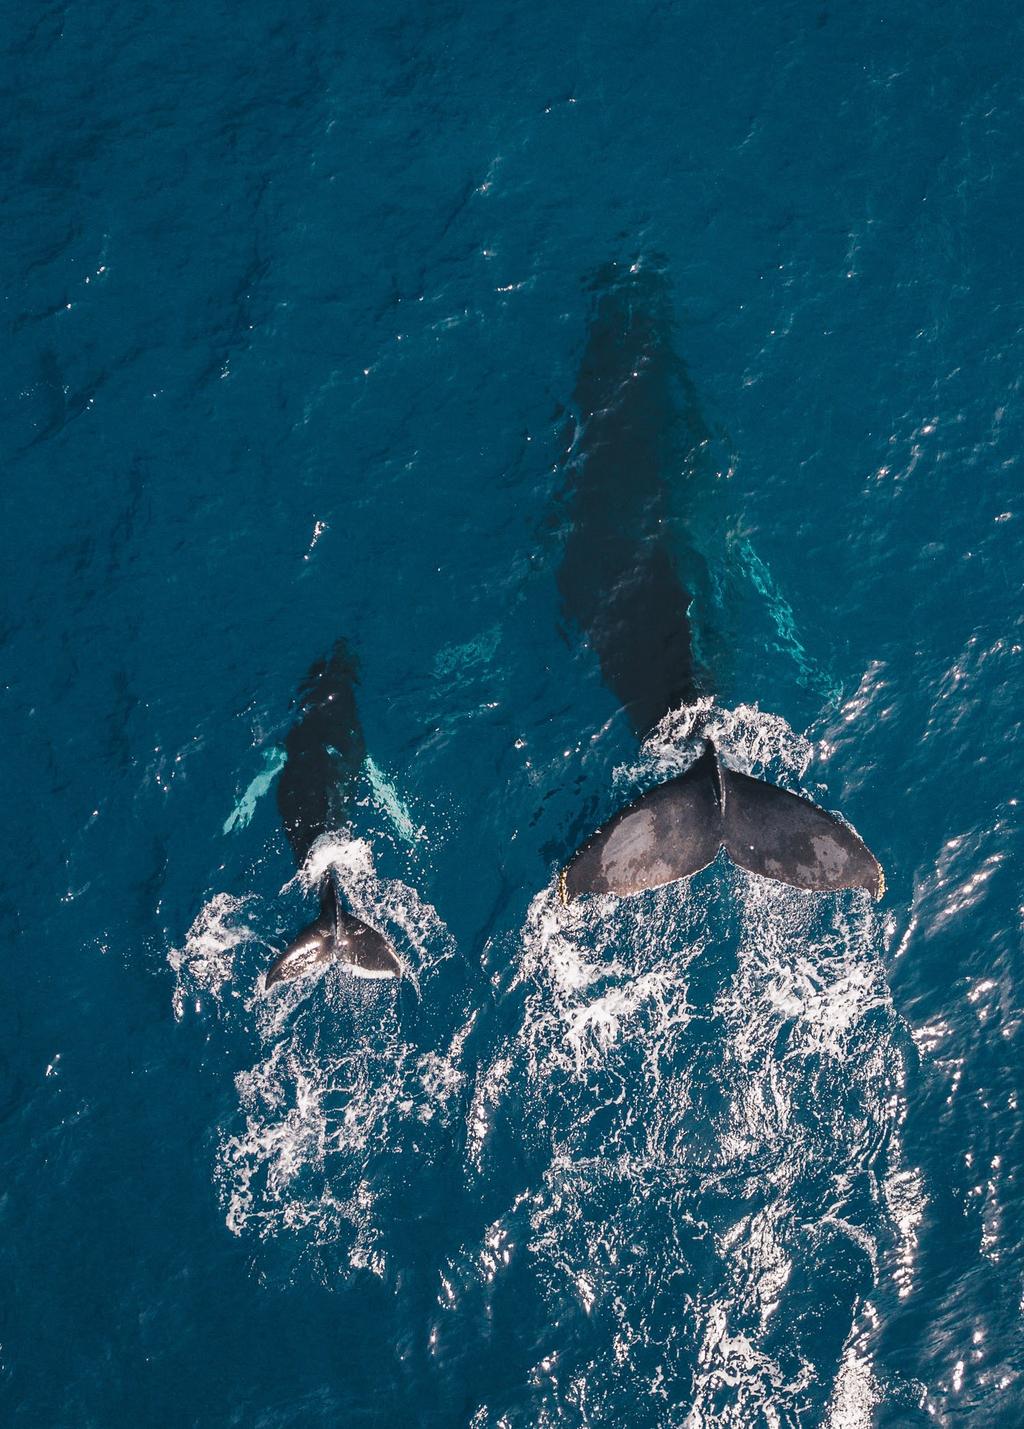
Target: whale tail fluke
[335, 935]
[678, 828]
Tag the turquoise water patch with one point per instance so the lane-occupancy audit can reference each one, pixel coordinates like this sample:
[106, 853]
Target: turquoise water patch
[240, 817]
[462, 659]
[809, 673]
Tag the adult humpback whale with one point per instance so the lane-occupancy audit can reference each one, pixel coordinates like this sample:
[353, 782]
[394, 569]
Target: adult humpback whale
[619, 583]
[324, 752]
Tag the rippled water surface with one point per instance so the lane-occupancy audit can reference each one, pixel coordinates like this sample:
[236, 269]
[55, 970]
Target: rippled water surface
[294, 303]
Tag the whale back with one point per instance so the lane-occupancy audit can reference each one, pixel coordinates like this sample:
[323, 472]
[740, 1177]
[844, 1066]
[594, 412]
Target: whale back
[324, 751]
[636, 420]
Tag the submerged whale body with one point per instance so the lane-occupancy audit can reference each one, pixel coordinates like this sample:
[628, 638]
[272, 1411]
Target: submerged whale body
[619, 582]
[324, 752]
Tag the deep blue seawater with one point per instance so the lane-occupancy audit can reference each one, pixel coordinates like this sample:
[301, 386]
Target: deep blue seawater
[293, 301]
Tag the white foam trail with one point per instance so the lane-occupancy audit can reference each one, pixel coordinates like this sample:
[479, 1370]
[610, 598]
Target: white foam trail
[339, 1091]
[750, 738]
[335, 1099]
[857, 1393]
[703, 1073]
[206, 963]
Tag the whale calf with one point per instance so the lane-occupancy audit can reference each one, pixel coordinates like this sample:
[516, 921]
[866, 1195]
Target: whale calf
[620, 586]
[324, 752]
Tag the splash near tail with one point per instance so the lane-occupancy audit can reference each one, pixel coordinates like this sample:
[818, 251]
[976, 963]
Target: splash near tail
[678, 828]
[335, 935]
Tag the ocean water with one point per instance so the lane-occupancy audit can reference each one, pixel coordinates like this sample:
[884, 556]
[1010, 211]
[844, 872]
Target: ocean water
[294, 301]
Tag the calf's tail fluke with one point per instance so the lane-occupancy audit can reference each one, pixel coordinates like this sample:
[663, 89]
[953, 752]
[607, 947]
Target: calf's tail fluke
[678, 828]
[335, 935]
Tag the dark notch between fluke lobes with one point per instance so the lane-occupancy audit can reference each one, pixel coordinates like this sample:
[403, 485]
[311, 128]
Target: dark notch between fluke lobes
[637, 417]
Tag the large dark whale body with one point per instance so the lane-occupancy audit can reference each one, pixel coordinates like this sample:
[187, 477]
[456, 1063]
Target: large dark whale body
[620, 584]
[324, 752]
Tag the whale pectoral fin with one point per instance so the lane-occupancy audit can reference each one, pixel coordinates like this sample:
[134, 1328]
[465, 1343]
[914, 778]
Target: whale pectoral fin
[673, 831]
[779, 835]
